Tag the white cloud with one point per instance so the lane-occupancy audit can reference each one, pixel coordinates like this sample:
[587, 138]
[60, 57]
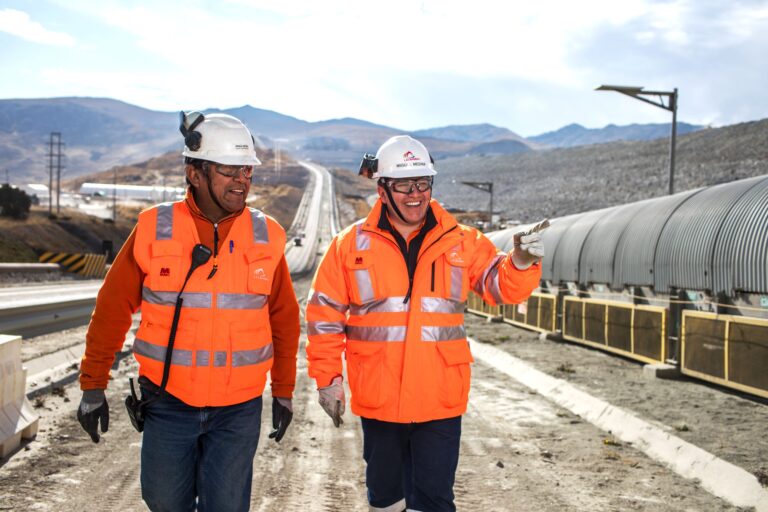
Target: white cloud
[342, 38]
[530, 66]
[18, 23]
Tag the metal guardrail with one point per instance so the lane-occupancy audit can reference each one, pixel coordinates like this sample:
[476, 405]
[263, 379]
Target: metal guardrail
[35, 319]
[27, 268]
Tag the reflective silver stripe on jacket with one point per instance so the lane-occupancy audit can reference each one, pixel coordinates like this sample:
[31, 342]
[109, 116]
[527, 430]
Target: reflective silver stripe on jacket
[362, 276]
[180, 357]
[164, 225]
[457, 278]
[435, 333]
[388, 305]
[320, 299]
[203, 358]
[191, 299]
[203, 299]
[251, 357]
[490, 280]
[438, 305]
[183, 357]
[240, 300]
[318, 328]
[259, 222]
[362, 239]
[364, 333]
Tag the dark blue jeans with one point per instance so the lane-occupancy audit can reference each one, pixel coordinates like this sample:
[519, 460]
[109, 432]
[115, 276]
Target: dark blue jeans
[415, 461]
[199, 458]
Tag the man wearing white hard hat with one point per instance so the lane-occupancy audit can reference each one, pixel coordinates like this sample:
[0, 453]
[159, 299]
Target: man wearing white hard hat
[218, 315]
[389, 296]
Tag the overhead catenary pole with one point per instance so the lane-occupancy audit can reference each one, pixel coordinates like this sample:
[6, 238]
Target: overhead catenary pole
[639, 93]
[50, 175]
[58, 175]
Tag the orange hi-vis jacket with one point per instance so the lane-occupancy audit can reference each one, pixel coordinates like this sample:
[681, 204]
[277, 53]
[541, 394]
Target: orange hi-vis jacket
[407, 361]
[223, 347]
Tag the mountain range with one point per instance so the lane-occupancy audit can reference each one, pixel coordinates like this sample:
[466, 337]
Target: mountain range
[99, 133]
[577, 135]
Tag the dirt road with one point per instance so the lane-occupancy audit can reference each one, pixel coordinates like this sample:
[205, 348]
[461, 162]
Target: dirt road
[519, 451]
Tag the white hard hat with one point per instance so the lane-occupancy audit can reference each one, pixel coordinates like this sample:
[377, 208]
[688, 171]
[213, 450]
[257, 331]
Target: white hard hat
[218, 138]
[400, 157]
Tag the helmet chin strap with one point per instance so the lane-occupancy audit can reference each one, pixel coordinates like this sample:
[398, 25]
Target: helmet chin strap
[393, 205]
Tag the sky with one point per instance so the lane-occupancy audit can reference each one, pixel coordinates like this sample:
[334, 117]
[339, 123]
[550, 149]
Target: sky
[528, 66]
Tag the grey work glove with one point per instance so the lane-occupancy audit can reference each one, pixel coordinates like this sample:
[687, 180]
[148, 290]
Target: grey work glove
[332, 400]
[282, 414]
[93, 408]
[529, 249]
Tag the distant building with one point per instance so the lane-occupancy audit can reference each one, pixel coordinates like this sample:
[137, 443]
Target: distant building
[153, 194]
[36, 189]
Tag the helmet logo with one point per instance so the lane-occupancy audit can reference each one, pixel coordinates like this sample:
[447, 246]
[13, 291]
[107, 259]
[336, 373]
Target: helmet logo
[408, 156]
[242, 146]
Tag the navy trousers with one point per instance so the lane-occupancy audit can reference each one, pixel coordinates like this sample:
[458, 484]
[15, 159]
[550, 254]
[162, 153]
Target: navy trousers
[411, 462]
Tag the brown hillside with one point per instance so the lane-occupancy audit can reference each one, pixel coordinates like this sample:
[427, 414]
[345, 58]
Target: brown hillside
[277, 193]
[352, 192]
[23, 240]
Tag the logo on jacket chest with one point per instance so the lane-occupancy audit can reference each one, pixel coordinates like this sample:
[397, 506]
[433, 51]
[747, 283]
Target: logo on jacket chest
[260, 274]
[358, 260]
[165, 272]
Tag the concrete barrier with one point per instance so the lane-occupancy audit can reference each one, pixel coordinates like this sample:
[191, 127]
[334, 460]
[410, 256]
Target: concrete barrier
[17, 419]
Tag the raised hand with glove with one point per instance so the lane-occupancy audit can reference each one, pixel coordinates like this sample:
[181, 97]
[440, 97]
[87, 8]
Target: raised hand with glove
[92, 410]
[282, 414]
[333, 401]
[529, 248]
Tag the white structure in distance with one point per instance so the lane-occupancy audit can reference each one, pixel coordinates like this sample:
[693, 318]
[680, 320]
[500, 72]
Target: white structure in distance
[153, 194]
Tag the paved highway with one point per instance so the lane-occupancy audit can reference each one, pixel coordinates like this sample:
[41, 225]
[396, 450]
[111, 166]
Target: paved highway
[40, 309]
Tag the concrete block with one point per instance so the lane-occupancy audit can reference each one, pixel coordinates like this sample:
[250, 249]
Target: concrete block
[661, 371]
[17, 418]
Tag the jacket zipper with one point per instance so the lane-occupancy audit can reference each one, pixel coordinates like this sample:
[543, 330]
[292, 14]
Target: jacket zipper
[410, 284]
[215, 250]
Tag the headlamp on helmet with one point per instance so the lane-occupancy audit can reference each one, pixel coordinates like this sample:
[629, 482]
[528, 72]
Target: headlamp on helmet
[368, 166]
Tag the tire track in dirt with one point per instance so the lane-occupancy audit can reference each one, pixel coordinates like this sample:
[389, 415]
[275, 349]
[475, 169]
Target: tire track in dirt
[318, 468]
[522, 452]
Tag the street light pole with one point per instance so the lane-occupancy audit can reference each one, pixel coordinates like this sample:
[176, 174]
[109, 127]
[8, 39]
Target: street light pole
[485, 186]
[673, 136]
[671, 105]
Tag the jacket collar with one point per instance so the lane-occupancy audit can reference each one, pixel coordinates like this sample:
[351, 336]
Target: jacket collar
[189, 200]
[445, 221]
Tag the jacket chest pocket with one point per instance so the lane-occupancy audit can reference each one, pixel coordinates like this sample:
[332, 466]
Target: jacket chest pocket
[455, 274]
[165, 265]
[358, 266]
[261, 270]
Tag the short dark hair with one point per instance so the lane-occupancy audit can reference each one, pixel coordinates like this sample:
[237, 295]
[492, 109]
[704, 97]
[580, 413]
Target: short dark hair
[197, 163]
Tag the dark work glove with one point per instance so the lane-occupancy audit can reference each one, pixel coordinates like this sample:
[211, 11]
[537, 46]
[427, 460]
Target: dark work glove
[282, 414]
[93, 407]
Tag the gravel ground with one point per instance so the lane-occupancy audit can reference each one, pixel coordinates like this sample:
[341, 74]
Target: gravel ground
[726, 423]
[519, 451]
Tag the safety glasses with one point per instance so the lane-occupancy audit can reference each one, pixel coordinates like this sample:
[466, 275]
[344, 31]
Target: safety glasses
[232, 171]
[407, 186]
